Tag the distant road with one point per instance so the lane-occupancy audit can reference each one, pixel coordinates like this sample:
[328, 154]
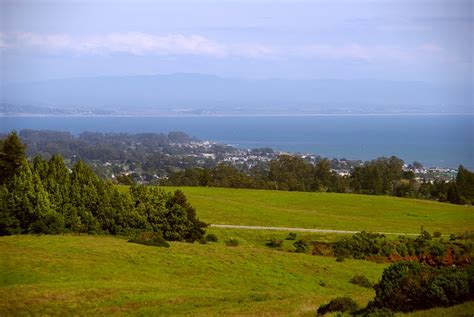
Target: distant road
[303, 229]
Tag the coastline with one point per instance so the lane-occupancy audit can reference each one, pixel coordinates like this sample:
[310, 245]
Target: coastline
[2, 115]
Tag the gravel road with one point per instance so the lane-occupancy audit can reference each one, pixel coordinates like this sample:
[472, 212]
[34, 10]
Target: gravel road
[302, 229]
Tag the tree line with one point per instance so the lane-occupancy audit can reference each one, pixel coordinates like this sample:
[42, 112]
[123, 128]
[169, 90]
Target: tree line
[44, 196]
[382, 176]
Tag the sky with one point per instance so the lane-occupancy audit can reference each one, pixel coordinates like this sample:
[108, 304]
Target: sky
[416, 40]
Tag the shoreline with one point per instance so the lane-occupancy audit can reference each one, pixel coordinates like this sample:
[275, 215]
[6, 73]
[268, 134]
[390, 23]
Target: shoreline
[230, 115]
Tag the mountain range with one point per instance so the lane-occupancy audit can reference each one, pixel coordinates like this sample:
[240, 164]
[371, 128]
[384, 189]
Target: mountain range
[208, 94]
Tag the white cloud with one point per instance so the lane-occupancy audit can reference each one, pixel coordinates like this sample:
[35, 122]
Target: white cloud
[136, 43]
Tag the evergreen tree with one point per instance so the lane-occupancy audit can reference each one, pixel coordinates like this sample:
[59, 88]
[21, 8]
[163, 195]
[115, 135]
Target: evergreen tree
[465, 183]
[84, 199]
[323, 177]
[195, 227]
[12, 154]
[29, 202]
[9, 224]
[453, 194]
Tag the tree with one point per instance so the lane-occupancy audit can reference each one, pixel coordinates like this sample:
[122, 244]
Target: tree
[9, 224]
[291, 173]
[84, 198]
[323, 177]
[453, 194]
[465, 183]
[378, 176]
[29, 203]
[12, 154]
[195, 229]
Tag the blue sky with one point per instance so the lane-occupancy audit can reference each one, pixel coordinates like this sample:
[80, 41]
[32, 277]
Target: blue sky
[429, 41]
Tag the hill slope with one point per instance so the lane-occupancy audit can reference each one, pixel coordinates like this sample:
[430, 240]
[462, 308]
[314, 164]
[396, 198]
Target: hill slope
[327, 211]
[87, 275]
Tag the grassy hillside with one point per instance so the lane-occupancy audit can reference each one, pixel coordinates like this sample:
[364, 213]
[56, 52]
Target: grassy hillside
[327, 211]
[97, 275]
[94, 275]
[68, 275]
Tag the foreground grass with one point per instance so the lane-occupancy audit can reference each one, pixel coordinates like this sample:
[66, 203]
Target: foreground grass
[90, 275]
[327, 210]
[462, 310]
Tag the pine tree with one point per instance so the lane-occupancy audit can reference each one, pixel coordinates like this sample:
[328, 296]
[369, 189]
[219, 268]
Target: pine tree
[181, 217]
[29, 202]
[84, 199]
[453, 194]
[12, 153]
[465, 183]
[9, 224]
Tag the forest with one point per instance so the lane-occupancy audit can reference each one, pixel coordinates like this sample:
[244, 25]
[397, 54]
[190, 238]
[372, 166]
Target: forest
[44, 196]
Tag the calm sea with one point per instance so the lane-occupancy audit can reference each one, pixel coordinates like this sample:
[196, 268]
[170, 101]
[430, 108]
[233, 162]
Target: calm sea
[434, 140]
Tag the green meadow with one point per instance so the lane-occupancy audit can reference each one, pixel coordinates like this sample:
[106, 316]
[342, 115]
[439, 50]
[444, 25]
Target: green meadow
[327, 211]
[87, 275]
[68, 275]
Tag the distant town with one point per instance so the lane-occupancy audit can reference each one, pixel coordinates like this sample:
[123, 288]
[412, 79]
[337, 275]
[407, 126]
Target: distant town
[150, 157]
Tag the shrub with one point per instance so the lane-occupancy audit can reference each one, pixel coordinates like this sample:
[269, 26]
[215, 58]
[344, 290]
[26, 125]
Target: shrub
[340, 259]
[150, 238]
[232, 242]
[274, 243]
[437, 234]
[301, 246]
[408, 286]
[339, 304]
[291, 236]
[202, 240]
[372, 311]
[361, 280]
[359, 245]
[424, 235]
[210, 237]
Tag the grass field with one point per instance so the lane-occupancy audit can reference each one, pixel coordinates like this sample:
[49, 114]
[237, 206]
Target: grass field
[327, 211]
[68, 275]
[97, 275]
[100, 275]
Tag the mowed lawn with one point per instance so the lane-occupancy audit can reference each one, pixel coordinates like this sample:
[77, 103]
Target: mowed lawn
[97, 275]
[327, 210]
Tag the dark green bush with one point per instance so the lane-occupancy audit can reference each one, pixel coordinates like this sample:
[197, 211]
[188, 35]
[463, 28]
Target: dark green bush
[150, 238]
[408, 286]
[437, 234]
[339, 304]
[291, 236]
[301, 246]
[210, 237]
[232, 242]
[434, 252]
[372, 311]
[340, 259]
[424, 235]
[361, 280]
[359, 245]
[274, 243]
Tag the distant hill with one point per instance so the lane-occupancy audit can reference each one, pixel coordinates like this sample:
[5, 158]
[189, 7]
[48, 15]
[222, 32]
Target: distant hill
[205, 94]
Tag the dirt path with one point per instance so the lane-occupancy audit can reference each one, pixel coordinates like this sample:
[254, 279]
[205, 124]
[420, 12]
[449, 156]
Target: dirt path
[302, 229]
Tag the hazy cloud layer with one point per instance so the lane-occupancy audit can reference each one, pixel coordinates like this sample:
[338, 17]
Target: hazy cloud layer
[413, 40]
[135, 43]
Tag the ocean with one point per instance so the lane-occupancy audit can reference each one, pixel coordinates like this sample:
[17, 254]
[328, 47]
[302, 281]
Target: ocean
[434, 140]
